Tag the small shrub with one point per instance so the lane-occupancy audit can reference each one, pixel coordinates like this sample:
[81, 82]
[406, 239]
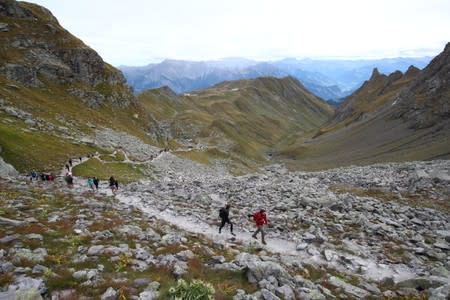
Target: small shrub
[196, 289]
[123, 262]
[6, 279]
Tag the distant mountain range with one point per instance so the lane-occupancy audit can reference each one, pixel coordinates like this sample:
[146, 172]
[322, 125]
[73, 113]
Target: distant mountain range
[328, 79]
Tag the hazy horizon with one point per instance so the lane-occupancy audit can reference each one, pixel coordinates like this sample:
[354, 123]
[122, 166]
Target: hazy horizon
[140, 32]
[279, 59]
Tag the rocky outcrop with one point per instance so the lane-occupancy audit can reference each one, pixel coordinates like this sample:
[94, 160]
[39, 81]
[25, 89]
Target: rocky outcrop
[38, 50]
[7, 169]
[14, 9]
[425, 102]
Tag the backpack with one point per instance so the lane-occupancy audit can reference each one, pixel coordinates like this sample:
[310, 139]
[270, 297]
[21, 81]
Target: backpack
[222, 213]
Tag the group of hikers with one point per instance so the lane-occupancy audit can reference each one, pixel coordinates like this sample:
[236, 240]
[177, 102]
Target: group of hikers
[92, 182]
[43, 176]
[259, 217]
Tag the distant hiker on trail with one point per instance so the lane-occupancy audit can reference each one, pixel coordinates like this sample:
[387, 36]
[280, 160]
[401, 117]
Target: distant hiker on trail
[80, 159]
[224, 214]
[113, 184]
[260, 219]
[67, 167]
[69, 179]
[33, 175]
[95, 179]
[90, 183]
[70, 162]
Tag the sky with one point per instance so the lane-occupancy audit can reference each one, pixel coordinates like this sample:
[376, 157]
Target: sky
[139, 32]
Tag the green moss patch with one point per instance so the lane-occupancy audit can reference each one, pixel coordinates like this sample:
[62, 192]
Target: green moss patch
[123, 172]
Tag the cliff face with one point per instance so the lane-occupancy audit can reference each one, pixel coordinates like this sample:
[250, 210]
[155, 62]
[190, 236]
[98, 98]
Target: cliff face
[426, 101]
[35, 51]
[373, 95]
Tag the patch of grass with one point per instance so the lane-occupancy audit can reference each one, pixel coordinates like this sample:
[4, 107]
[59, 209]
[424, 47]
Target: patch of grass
[6, 279]
[203, 157]
[225, 282]
[61, 279]
[27, 150]
[109, 220]
[117, 157]
[313, 273]
[124, 173]
[169, 249]
[30, 228]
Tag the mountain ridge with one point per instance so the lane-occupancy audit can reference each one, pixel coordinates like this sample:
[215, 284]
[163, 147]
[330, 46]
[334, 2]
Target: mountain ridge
[315, 75]
[395, 117]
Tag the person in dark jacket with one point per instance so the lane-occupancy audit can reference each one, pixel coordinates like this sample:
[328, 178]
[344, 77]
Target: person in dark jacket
[113, 184]
[224, 215]
[260, 219]
[96, 182]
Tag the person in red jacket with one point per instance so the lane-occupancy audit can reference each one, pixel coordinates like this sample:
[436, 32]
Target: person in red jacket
[260, 219]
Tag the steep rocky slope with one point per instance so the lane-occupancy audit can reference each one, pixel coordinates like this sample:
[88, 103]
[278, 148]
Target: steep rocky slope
[399, 117]
[36, 50]
[55, 90]
[426, 101]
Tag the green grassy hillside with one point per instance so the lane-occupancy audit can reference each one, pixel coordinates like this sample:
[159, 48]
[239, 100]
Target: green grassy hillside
[242, 120]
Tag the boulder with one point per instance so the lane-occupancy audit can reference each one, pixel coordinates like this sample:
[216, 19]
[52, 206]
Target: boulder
[7, 170]
[348, 288]
[423, 283]
[440, 293]
[110, 294]
[258, 270]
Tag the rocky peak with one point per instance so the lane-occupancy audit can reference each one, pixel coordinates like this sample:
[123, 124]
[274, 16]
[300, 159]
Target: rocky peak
[424, 103]
[437, 74]
[412, 71]
[395, 76]
[375, 74]
[166, 91]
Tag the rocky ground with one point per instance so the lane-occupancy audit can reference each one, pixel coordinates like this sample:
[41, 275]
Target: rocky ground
[380, 231]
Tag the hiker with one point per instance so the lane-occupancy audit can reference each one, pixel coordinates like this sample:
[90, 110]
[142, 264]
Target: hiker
[33, 175]
[113, 184]
[80, 159]
[70, 162]
[67, 167]
[69, 179]
[96, 182]
[260, 219]
[224, 214]
[90, 183]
